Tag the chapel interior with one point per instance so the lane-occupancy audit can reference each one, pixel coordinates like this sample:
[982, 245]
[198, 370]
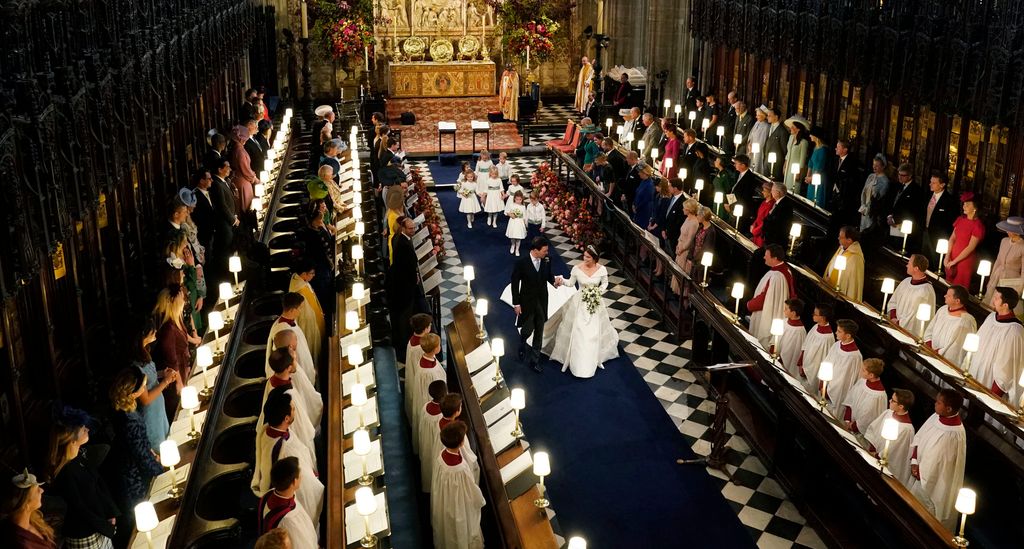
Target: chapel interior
[259, 278]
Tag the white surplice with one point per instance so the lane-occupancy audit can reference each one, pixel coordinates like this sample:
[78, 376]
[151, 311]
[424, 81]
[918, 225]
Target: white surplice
[431, 447]
[946, 333]
[425, 422]
[775, 287]
[311, 490]
[582, 341]
[303, 428]
[419, 387]
[905, 300]
[817, 344]
[846, 360]
[306, 364]
[299, 526]
[310, 397]
[790, 343]
[311, 315]
[413, 353]
[899, 449]
[455, 504]
[1000, 356]
[865, 401]
[942, 456]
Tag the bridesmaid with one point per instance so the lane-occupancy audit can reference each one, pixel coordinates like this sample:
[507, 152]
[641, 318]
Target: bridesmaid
[968, 232]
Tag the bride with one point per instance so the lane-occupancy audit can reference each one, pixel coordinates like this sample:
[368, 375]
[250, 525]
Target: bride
[584, 337]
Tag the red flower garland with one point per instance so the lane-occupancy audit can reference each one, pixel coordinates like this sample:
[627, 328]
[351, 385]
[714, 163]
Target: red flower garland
[569, 211]
[425, 205]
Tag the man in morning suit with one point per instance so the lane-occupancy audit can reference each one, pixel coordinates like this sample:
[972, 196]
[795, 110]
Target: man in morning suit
[402, 282]
[778, 138]
[225, 221]
[674, 216]
[847, 183]
[779, 220]
[652, 135]
[692, 94]
[530, 278]
[906, 206]
[940, 210]
[746, 186]
[203, 215]
[744, 121]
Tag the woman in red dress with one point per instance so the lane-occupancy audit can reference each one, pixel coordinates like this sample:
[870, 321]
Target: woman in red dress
[968, 232]
[757, 228]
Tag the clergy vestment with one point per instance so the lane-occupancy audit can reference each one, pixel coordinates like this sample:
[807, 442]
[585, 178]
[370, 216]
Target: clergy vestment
[455, 503]
[274, 511]
[940, 451]
[272, 445]
[775, 287]
[584, 85]
[851, 281]
[413, 353]
[508, 95]
[303, 428]
[790, 344]
[817, 344]
[431, 448]
[1000, 357]
[306, 365]
[311, 316]
[946, 333]
[899, 449]
[846, 360]
[903, 304]
[864, 401]
[429, 370]
[425, 421]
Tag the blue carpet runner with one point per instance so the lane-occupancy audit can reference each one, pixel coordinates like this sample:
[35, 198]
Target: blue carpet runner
[613, 447]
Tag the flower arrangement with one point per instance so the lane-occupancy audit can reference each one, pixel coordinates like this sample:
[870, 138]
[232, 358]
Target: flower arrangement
[344, 28]
[425, 205]
[540, 24]
[538, 36]
[568, 210]
[591, 296]
[349, 38]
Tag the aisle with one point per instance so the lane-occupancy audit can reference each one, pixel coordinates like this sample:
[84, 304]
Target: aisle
[613, 447]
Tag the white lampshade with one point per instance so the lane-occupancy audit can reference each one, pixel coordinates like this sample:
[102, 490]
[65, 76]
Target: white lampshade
[169, 456]
[358, 291]
[215, 320]
[707, 259]
[888, 286]
[772, 157]
[704, 124]
[352, 320]
[890, 429]
[358, 394]
[288, 113]
[235, 264]
[698, 184]
[259, 188]
[737, 290]
[469, 273]
[984, 267]
[498, 347]
[840, 263]
[271, 155]
[924, 312]
[668, 163]
[541, 464]
[678, 108]
[357, 198]
[815, 179]
[907, 226]
[640, 144]
[225, 291]
[366, 502]
[778, 326]
[145, 517]
[518, 399]
[971, 343]
[737, 139]
[795, 230]
[683, 173]
[608, 123]
[619, 129]
[204, 356]
[481, 307]
[737, 210]
[1021, 380]
[577, 542]
[256, 204]
[356, 185]
[268, 164]
[360, 228]
[755, 148]
[356, 174]
[189, 398]
[966, 500]
[654, 153]
[692, 115]
[720, 131]
[357, 251]
[361, 442]
[357, 213]
[942, 246]
[668, 103]
[355, 354]
[794, 168]
[825, 371]
[719, 197]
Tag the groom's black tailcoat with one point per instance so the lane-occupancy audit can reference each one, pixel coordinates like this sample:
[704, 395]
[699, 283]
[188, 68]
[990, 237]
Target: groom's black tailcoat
[530, 292]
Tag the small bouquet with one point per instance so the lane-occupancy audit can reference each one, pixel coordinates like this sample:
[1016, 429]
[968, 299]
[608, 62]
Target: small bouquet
[463, 191]
[591, 296]
[516, 213]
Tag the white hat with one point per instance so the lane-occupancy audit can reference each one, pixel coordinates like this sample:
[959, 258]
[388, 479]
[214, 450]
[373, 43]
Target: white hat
[25, 480]
[797, 119]
[323, 110]
[763, 108]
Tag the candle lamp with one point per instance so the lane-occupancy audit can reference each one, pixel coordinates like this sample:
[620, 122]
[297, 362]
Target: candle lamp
[906, 227]
[682, 173]
[777, 329]
[481, 312]
[169, 457]
[541, 468]
[667, 104]
[705, 124]
[351, 320]
[357, 213]
[839, 265]
[355, 358]
[698, 184]
[924, 314]
[984, 269]
[469, 274]
[825, 372]
[146, 520]
[667, 162]
[737, 211]
[719, 198]
[366, 505]
[737, 139]
[608, 124]
[941, 248]
[794, 233]
[888, 287]
[577, 542]
[216, 323]
[678, 110]
[970, 347]
[190, 402]
[361, 446]
[720, 132]
[204, 359]
[706, 260]
[654, 154]
[890, 432]
[235, 267]
[755, 148]
[618, 131]
[497, 351]
[358, 294]
[640, 145]
[260, 189]
[271, 156]
[268, 165]
[360, 230]
[794, 169]
[518, 400]
[737, 294]
[772, 157]
[692, 116]
[357, 256]
[816, 183]
[966, 501]
[359, 399]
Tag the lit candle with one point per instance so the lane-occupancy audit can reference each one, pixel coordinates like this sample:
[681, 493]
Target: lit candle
[737, 294]
[941, 248]
[737, 211]
[890, 432]
[906, 228]
[737, 139]
[755, 148]
[984, 269]
[924, 314]
[777, 329]
[839, 265]
[706, 260]
[970, 347]
[305, 21]
[825, 373]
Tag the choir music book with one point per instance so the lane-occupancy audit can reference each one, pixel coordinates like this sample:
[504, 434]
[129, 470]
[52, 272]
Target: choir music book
[478, 358]
[484, 382]
[355, 525]
[366, 378]
[354, 463]
[501, 434]
[360, 337]
[350, 415]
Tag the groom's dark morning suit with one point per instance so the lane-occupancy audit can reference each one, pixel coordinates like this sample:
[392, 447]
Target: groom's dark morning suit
[530, 292]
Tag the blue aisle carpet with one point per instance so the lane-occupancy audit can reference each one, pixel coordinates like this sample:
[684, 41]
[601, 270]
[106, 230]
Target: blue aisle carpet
[613, 448]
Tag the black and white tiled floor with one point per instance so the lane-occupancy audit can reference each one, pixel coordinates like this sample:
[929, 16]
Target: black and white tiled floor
[556, 113]
[759, 502]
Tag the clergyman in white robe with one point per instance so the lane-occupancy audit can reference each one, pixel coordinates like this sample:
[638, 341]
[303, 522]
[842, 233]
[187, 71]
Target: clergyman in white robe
[817, 344]
[946, 333]
[296, 522]
[306, 364]
[455, 502]
[846, 360]
[311, 490]
[940, 450]
[1000, 357]
[791, 342]
[302, 428]
[309, 397]
[770, 297]
[899, 449]
[905, 300]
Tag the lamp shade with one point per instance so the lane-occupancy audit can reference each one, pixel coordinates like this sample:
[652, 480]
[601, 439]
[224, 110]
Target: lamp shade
[971, 343]
[888, 286]
[358, 394]
[357, 186]
[737, 290]
[942, 246]
[224, 291]
[352, 320]
[890, 429]
[366, 502]
[355, 354]
[825, 371]
[361, 442]
[619, 129]
[755, 148]
[966, 500]
[668, 163]
[737, 210]
[692, 115]
[720, 131]
[772, 157]
[498, 347]
[795, 230]
[924, 312]
[469, 273]
[541, 464]
[358, 291]
[678, 109]
[357, 212]
[268, 164]
[260, 189]
[707, 259]
[481, 307]
[737, 139]
[271, 155]
[518, 399]
[794, 168]
[984, 267]
[204, 356]
[169, 456]
[698, 184]
[577, 542]
[840, 263]
[360, 228]
[654, 153]
[815, 179]
[719, 197]
[683, 173]
[778, 326]
[257, 204]
[907, 226]
[608, 123]
[357, 251]
[145, 517]
[668, 103]
[640, 144]
[189, 398]
[216, 320]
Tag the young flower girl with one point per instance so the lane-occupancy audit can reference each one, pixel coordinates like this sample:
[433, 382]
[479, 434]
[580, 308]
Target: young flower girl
[536, 215]
[513, 187]
[483, 165]
[516, 231]
[469, 204]
[491, 188]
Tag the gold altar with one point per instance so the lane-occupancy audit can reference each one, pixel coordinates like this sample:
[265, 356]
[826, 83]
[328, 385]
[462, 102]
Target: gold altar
[434, 79]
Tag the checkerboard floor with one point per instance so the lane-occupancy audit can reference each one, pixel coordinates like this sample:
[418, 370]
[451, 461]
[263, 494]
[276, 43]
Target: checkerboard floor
[759, 501]
[556, 113]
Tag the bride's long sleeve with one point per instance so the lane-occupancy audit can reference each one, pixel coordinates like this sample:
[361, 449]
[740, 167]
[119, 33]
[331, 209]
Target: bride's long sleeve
[571, 280]
[604, 281]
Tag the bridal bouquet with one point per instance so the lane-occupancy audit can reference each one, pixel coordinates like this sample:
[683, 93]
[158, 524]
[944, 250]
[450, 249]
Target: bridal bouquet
[516, 213]
[591, 296]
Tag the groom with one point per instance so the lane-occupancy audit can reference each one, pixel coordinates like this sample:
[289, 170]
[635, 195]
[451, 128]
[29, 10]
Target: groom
[530, 278]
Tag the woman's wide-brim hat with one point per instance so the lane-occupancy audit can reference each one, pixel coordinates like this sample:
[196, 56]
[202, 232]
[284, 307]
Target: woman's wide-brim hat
[1013, 225]
[323, 110]
[797, 119]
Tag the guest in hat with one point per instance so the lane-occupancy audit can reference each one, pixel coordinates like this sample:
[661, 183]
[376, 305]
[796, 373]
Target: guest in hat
[21, 523]
[798, 150]
[1008, 269]
[968, 232]
[756, 139]
[818, 165]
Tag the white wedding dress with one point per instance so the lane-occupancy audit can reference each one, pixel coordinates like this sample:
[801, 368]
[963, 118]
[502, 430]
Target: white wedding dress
[582, 341]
